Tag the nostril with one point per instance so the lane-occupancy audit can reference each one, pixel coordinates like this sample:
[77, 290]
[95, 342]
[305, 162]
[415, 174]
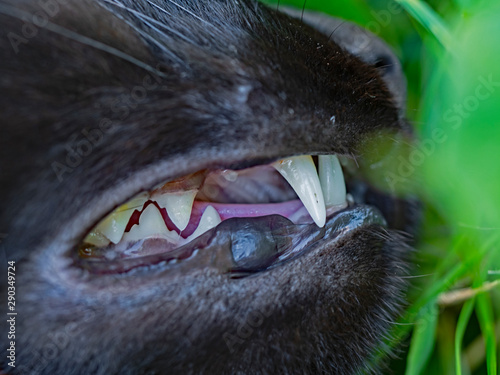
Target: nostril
[384, 63]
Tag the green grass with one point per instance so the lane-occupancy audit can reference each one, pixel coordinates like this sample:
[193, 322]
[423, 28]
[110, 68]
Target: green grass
[450, 50]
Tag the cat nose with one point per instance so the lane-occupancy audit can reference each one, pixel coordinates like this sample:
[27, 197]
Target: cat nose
[385, 63]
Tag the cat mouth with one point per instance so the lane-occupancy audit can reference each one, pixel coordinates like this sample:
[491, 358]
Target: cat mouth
[238, 221]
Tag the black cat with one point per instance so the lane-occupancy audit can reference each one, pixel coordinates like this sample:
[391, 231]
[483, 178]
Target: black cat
[102, 99]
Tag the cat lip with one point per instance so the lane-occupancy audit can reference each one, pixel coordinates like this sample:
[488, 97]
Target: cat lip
[243, 246]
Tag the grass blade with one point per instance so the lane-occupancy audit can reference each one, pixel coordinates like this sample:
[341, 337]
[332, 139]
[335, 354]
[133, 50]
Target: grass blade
[484, 312]
[429, 19]
[463, 320]
[423, 339]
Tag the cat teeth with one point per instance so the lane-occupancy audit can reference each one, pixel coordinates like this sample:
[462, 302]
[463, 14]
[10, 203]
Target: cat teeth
[301, 174]
[113, 226]
[97, 239]
[135, 203]
[332, 181]
[178, 205]
[318, 190]
[210, 219]
[151, 224]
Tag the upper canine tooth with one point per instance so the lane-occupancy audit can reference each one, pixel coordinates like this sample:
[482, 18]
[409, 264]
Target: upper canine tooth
[209, 220]
[178, 205]
[300, 172]
[151, 224]
[332, 180]
[113, 226]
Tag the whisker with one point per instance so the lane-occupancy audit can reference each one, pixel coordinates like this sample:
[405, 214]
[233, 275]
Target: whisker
[159, 7]
[57, 29]
[396, 323]
[148, 36]
[384, 66]
[338, 27]
[303, 10]
[417, 276]
[353, 156]
[147, 19]
[183, 8]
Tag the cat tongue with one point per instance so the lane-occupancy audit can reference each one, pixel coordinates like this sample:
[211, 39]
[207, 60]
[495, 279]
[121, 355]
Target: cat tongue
[228, 211]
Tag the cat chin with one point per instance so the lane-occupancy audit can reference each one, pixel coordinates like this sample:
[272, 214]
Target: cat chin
[267, 322]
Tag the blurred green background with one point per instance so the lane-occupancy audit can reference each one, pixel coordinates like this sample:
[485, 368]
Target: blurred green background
[450, 50]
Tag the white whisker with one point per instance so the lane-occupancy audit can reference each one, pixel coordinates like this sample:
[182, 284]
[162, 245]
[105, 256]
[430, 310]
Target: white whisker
[147, 36]
[180, 7]
[159, 7]
[9, 11]
[149, 21]
[417, 276]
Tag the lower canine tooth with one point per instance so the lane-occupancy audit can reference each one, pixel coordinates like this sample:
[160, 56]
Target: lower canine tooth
[332, 180]
[178, 205]
[301, 174]
[209, 220]
[151, 224]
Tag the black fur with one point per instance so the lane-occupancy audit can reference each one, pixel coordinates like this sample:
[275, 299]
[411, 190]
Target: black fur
[212, 84]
